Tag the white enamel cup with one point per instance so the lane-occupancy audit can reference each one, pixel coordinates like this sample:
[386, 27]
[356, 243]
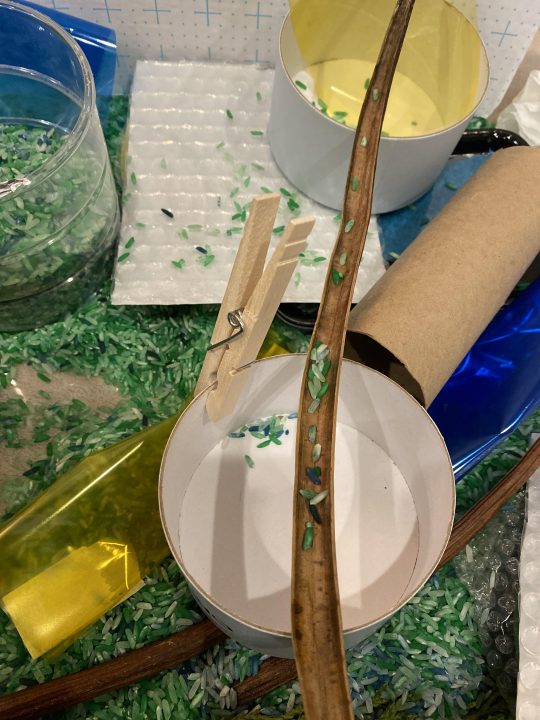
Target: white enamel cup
[229, 526]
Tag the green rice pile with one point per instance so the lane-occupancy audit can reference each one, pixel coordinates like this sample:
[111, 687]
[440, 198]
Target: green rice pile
[426, 662]
[49, 232]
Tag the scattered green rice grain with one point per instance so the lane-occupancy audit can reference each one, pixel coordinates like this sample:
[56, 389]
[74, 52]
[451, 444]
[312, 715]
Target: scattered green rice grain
[337, 276]
[324, 389]
[314, 406]
[319, 497]
[292, 204]
[205, 256]
[307, 542]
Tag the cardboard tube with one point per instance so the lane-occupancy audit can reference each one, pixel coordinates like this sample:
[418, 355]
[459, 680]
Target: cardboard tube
[419, 321]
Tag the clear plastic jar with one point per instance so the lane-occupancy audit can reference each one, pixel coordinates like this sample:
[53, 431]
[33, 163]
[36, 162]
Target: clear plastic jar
[59, 211]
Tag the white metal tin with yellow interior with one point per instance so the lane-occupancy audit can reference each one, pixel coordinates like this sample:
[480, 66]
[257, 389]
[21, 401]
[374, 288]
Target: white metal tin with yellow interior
[441, 78]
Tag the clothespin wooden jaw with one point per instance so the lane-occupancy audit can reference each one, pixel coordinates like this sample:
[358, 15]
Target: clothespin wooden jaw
[250, 302]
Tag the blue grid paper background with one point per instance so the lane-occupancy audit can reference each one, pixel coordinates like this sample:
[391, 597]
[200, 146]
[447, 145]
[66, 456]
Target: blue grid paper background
[234, 30]
[246, 31]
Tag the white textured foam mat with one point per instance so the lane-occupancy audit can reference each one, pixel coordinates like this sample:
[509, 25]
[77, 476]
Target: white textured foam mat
[187, 155]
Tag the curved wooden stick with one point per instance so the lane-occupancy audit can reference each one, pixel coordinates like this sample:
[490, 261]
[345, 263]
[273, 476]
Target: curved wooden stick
[70, 690]
[64, 692]
[315, 612]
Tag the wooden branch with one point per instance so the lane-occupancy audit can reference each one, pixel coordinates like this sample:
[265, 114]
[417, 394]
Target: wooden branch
[273, 673]
[61, 693]
[315, 613]
[485, 509]
[64, 692]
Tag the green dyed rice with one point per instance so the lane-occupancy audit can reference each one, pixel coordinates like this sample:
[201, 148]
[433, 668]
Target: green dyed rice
[337, 276]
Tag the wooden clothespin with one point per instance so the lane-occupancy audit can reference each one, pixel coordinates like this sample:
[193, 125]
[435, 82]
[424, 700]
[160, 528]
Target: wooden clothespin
[250, 302]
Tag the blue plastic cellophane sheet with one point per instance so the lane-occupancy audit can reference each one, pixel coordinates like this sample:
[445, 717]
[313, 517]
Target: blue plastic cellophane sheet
[97, 42]
[496, 385]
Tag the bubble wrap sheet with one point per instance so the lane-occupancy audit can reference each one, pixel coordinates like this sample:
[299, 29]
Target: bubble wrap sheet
[176, 160]
[528, 700]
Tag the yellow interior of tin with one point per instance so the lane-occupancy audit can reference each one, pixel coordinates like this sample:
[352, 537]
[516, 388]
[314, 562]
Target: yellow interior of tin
[440, 75]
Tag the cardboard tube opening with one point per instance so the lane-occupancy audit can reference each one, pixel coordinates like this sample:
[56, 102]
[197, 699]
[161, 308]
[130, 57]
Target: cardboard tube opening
[369, 352]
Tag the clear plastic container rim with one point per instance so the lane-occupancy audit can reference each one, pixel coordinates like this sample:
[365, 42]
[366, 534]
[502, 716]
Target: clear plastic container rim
[87, 107]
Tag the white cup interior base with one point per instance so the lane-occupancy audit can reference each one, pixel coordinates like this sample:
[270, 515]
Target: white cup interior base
[236, 528]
